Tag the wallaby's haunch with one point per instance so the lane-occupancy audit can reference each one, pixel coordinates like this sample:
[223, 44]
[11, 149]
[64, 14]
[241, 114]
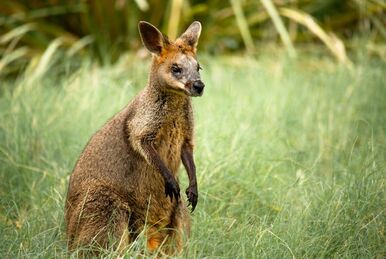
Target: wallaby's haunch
[126, 179]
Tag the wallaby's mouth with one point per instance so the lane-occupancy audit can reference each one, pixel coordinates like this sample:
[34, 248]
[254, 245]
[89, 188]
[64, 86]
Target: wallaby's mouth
[194, 94]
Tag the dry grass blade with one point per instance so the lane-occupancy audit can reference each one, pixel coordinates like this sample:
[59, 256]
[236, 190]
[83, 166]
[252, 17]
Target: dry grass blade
[79, 45]
[174, 19]
[279, 25]
[332, 42]
[379, 25]
[12, 56]
[16, 32]
[243, 26]
[45, 60]
[378, 3]
[142, 5]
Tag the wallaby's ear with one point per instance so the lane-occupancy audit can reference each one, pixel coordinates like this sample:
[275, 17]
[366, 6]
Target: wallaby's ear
[191, 35]
[151, 37]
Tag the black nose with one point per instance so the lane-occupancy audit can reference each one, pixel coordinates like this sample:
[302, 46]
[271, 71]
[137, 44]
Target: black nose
[198, 86]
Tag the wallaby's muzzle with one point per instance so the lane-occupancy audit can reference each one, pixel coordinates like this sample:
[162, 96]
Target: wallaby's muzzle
[197, 88]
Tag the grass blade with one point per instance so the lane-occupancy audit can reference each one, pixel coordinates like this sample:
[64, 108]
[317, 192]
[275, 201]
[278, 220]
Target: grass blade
[333, 43]
[46, 59]
[243, 26]
[16, 32]
[379, 25]
[12, 56]
[142, 5]
[174, 19]
[80, 44]
[279, 25]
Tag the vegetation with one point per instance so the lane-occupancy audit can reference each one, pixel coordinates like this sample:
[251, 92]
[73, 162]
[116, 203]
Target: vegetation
[33, 31]
[290, 156]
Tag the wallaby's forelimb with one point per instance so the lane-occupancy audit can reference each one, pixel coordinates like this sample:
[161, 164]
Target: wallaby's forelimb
[171, 185]
[190, 167]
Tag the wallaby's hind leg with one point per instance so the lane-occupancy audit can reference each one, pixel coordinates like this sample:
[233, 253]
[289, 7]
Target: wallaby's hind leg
[170, 239]
[180, 228]
[98, 219]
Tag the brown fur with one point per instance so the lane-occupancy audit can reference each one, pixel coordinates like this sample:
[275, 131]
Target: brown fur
[117, 188]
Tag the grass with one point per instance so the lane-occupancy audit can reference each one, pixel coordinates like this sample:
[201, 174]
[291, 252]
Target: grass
[290, 156]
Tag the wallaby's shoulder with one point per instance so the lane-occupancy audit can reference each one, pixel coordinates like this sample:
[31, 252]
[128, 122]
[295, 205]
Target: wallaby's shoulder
[155, 109]
[109, 141]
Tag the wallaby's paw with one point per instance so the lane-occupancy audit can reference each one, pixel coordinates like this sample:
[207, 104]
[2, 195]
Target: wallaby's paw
[192, 194]
[172, 189]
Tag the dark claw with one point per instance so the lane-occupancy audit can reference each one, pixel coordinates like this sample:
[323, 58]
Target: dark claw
[172, 189]
[191, 192]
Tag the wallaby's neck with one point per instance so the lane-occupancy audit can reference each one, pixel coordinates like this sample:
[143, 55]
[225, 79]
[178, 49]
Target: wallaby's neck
[165, 99]
[158, 93]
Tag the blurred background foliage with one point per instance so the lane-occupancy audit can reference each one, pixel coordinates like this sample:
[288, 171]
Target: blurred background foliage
[34, 34]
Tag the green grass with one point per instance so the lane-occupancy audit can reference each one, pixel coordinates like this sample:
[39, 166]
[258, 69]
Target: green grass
[290, 156]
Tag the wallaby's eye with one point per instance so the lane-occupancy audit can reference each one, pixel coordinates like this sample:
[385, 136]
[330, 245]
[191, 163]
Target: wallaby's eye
[199, 67]
[176, 70]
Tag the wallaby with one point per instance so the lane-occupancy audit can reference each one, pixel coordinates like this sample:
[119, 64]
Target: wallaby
[126, 179]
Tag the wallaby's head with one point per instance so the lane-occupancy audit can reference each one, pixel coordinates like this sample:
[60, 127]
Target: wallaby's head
[175, 66]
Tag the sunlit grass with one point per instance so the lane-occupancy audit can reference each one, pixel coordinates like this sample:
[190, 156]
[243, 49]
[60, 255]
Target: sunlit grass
[290, 156]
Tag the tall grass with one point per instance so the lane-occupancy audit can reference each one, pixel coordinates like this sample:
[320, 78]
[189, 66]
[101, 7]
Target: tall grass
[290, 156]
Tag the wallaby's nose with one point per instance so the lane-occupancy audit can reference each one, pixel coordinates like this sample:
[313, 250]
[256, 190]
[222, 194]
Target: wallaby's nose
[198, 86]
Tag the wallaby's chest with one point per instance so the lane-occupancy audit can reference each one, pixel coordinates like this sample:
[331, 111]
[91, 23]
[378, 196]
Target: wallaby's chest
[172, 125]
[169, 141]
[171, 134]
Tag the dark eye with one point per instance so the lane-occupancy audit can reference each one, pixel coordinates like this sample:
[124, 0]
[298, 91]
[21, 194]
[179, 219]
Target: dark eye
[199, 67]
[176, 70]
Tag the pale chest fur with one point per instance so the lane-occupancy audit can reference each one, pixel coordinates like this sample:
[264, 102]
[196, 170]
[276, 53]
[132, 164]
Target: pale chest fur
[164, 122]
[169, 141]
